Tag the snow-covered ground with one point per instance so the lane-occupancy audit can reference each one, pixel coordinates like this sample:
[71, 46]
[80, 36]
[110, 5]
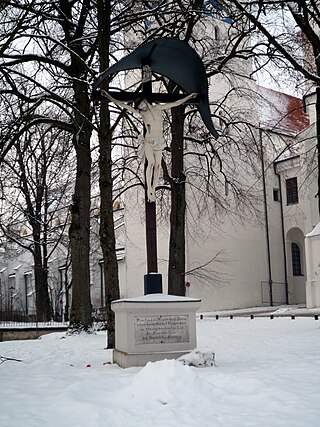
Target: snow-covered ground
[279, 310]
[267, 375]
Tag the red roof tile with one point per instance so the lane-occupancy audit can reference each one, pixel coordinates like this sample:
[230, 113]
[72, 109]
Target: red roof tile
[281, 112]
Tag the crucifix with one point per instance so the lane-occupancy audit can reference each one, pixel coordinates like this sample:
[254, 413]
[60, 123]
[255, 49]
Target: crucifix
[179, 62]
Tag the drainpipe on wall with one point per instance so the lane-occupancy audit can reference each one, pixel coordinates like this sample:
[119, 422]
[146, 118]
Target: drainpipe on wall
[283, 237]
[266, 219]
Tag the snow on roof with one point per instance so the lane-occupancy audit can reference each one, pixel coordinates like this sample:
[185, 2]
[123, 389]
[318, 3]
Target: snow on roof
[158, 298]
[315, 231]
[291, 155]
[281, 112]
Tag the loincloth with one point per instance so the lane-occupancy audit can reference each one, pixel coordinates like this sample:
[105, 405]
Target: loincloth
[157, 144]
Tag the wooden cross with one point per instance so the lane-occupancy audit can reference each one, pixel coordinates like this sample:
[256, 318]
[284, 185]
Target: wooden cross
[150, 207]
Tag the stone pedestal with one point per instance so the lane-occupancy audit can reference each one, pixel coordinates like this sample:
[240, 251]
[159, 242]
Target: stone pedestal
[154, 327]
[312, 245]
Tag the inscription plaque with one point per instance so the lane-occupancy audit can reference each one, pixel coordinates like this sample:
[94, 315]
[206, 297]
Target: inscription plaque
[161, 329]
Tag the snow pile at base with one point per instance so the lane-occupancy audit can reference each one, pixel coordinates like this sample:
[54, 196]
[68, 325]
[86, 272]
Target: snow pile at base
[199, 358]
[163, 382]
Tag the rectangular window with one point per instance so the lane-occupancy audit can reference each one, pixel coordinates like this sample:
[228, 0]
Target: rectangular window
[292, 191]
[276, 195]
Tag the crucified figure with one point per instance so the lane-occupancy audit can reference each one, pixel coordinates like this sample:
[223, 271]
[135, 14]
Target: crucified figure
[152, 144]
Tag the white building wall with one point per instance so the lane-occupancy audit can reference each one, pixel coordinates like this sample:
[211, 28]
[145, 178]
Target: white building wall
[299, 218]
[236, 280]
[241, 272]
[136, 258]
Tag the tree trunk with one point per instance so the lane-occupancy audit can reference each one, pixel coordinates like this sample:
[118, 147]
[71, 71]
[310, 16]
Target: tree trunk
[33, 210]
[318, 140]
[41, 284]
[79, 231]
[176, 285]
[107, 235]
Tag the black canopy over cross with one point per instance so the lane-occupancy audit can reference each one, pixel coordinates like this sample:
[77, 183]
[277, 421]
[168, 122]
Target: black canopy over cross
[179, 62]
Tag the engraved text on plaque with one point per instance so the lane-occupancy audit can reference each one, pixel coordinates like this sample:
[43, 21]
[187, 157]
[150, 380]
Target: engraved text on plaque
[161, 329]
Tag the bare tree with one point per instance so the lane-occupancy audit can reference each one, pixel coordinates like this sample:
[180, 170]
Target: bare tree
[48, 53]
[34, 188]
[46, 59]
[198, 162]
[209, 168]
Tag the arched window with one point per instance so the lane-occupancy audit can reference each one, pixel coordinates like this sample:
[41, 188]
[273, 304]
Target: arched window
[296, 260]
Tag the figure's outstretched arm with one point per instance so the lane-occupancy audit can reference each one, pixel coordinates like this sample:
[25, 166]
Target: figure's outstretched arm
[176, 103]
[120, 103]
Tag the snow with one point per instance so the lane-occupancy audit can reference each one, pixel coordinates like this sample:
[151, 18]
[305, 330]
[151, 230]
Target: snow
[287, 310]
[199, 357]
[315, 231]
[267, 374]
[282, 112]
[158, 298]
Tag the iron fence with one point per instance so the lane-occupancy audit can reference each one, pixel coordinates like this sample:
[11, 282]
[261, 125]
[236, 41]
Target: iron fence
[14, 318]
